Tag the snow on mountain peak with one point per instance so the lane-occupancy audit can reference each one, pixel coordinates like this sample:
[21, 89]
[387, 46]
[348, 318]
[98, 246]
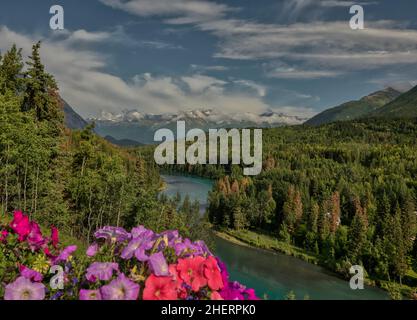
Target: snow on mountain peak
[206, 115]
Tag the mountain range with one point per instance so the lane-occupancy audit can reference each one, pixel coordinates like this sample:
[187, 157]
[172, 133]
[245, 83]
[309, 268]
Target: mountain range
[141, 127]
[133, 128]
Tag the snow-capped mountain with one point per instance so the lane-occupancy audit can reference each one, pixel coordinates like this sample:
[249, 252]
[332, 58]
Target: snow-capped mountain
[207, 115]
[132, 124]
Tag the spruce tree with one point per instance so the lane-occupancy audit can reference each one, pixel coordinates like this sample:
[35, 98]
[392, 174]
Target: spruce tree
[41, 91]
[11, 69]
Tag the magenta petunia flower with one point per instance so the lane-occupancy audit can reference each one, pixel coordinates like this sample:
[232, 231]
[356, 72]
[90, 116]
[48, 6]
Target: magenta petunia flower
[121, 288]
[114, 234]
[101, 271]
[90, 294]
[250, 294]
[158, 264]
[24, 289]
[3, 235]
[54, 236]
[35, 238]
[92, 250]
[65, 254]
[30, 274]
[20, 225]
[233, 291]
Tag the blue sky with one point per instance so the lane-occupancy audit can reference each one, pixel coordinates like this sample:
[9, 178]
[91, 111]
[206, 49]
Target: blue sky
[157, 56]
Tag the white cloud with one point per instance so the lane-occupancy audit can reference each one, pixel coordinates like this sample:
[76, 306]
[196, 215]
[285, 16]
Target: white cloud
[86, 85]
[284, 71]
[188, 11]
[117, 35]
[303, 112]
[200, 68]
[201, 83]
[85, 36]
[294, 7]
[318, 49]
[343, 3]
[159, 45]
[259, 89]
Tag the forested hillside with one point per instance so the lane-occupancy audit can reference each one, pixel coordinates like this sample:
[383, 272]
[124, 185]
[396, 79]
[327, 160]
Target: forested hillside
[345, 192]
[405, 106]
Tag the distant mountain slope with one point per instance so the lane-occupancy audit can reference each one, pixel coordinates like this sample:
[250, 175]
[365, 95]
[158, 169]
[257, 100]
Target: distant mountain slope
[72, 119]
[356, 109]
[123, 142]
[405, 106]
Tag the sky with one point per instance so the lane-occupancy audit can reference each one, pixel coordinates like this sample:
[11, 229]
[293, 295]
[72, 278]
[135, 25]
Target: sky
[298, 57]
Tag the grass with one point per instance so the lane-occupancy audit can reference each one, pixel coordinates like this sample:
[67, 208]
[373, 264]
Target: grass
[264, 241]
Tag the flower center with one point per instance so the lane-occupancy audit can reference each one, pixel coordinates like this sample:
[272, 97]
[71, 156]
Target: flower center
[25, 294]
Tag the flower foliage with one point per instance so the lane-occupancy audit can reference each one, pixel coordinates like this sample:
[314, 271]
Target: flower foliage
[119, 265]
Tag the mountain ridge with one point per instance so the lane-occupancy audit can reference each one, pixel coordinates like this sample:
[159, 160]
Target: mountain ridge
[404, 106]
[356, 109]
[71, 118]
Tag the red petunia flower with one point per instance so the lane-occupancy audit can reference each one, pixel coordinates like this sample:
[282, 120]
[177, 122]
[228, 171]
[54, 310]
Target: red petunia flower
[212, 273]
[191, 270]
[175, 275]
[216, 296]
[160, 288]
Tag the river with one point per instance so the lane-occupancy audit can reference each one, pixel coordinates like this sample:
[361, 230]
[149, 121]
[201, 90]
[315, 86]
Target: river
[272, 275]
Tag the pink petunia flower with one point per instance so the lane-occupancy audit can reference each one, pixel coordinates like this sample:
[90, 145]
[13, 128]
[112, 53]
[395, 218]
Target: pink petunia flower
[101, 271]
[90, 294]
[92, 250]
[24, 289]
[121, 288]
[65, 254]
